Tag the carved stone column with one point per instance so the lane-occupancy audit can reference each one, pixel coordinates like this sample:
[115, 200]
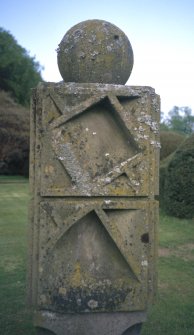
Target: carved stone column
[94, 177]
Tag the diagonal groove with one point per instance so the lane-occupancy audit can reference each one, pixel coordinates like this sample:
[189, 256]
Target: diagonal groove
[57, 101]
[72, 112]
[69, 222]
[119, 109]
[116, 236]
[120, 169]
[113, 232]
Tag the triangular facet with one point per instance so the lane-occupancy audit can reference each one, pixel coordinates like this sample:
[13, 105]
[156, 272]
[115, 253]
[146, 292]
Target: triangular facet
[86, 263]
[88, 244]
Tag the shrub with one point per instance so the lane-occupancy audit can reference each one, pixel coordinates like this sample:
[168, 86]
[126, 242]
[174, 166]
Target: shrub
[14, 137]
[178, 181]
[170, 141]
[162, 177]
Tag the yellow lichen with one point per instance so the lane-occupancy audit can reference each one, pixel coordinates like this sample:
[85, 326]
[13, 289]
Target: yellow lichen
[49, 169]
[76, 276]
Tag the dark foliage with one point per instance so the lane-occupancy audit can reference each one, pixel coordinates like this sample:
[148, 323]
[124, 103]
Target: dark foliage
[170, 140]
[14, 137]
[177, 181]
[18, 71]
[162, 177]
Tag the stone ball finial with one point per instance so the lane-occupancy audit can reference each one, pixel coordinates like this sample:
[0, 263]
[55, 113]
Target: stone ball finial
[95, 51]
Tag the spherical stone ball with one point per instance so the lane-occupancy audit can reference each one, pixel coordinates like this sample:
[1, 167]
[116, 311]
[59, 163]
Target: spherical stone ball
[95, 51]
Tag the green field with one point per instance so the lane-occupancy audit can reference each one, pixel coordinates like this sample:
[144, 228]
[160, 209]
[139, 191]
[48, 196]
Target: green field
[173, 312]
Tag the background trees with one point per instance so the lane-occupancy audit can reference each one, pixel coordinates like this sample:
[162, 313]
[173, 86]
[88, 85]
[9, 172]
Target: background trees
[19, 72]
[179, 119]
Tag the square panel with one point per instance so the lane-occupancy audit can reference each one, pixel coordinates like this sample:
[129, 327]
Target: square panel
[94, 257]
[104, 144]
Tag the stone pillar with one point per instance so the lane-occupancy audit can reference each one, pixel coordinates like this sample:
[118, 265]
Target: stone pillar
[94, 178]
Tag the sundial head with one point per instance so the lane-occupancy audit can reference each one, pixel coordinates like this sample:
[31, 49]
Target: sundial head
[95, 51]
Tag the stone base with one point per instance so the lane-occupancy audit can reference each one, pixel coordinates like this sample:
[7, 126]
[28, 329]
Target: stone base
[48, 323]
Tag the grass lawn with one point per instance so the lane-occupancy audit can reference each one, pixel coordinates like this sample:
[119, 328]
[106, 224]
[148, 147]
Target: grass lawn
[14, 318]
[173, 313]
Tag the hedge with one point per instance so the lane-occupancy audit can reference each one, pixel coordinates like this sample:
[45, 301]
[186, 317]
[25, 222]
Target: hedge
[177, 181]
[170, 140]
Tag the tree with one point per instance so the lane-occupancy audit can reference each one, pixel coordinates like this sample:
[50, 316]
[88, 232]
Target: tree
[19, 72]
[180, 119]
[163, 123]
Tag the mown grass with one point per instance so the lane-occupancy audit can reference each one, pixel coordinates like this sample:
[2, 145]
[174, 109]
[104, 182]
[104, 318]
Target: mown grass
[14, 317]
[173, 312]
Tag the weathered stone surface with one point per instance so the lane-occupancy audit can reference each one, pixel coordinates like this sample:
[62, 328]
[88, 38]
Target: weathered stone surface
[98, 140]
[95, 51]
[91, 323]
[96, 259]
[94, 177]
